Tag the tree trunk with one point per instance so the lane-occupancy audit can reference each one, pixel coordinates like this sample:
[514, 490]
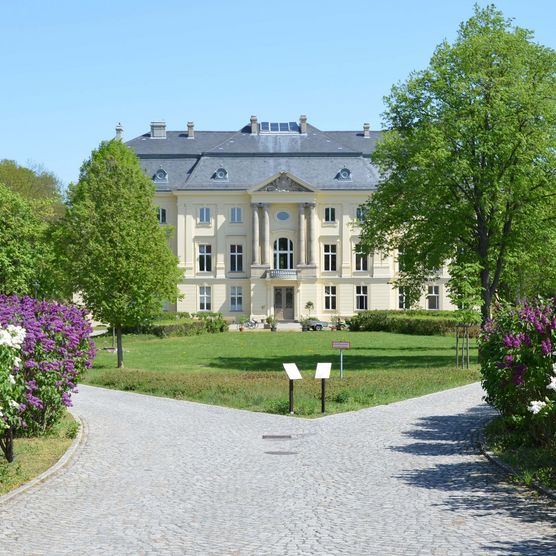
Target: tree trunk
[7, 445]
[487, 297]
[120, 348]
[483, 243]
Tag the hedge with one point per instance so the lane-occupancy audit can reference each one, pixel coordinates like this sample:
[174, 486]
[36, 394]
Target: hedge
[175, 324]
[408, 322]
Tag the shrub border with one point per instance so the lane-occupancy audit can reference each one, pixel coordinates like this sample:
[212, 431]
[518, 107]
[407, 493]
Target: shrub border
[59, 467]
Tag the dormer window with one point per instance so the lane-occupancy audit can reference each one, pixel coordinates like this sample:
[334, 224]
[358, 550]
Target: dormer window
[161, 176]
[221, 174]
[344, 174]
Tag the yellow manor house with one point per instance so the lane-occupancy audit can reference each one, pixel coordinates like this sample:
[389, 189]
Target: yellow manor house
[266, 219]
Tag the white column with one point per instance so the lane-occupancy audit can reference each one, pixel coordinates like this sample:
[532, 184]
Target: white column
[189, 239]
[256, 240]
[302, 248]
[312, 234]
[220, 240]
[180, 234]
[266, 235]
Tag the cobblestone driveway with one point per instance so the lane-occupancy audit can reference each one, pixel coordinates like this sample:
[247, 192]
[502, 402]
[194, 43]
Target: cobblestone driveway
[159, 476]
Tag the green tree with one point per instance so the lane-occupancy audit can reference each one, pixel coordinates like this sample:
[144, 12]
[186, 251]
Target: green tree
[117, 254]
[468, 161]
[38, 186]
[21, 244]
[40, 190]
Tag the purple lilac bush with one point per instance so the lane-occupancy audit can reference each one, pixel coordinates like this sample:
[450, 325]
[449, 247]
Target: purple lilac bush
[518, 365]
[54, 353]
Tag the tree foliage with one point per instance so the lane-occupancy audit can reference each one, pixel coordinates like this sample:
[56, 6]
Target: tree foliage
[36, 185]
[117, 253]
[468, 161]
[21, 244]
[30, 208]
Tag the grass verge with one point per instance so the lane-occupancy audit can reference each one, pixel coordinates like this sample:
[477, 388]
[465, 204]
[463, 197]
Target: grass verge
[35, 455]
[245, 370]
[531, 463]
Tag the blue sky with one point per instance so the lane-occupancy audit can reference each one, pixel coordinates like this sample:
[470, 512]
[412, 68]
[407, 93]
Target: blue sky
[74, 69]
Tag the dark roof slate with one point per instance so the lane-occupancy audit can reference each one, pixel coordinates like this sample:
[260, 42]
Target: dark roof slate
[246, 172]
[177, 143]
[316, 158]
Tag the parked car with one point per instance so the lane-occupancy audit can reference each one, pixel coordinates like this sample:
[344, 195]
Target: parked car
[314, 324]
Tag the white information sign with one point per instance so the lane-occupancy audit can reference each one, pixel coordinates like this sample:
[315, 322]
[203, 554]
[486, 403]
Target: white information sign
[292, 371]
[323, 370]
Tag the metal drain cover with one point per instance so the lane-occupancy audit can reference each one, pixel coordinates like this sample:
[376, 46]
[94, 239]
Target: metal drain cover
[281, 453]
[277, 436]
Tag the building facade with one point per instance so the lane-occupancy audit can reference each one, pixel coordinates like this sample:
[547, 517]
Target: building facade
[266, 219]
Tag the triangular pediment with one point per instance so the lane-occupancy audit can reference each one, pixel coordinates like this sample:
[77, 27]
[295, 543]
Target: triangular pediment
[283, 182]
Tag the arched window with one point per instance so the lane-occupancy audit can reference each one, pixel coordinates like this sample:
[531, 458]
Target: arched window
[283, 253]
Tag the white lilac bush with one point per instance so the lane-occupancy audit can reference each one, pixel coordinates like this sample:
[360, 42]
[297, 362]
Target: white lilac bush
[12, 386]
[518, 365]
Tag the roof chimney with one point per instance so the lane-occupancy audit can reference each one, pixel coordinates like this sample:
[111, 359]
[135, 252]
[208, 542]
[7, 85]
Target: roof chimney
[303, 124]
[158, 130]
[254, 125]
[366, 132]
[190, 130]
[119, 132]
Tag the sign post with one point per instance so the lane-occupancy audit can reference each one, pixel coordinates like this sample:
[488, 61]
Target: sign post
[323, 372]
[293, 374]
[341, 346]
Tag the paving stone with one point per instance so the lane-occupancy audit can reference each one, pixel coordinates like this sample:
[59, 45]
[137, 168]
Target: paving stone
[160, 476]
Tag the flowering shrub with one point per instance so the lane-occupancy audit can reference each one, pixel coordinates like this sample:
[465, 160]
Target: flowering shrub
[12, 387]
[54, 352]
[518, 364]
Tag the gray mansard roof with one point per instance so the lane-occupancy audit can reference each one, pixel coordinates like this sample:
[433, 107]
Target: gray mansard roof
[316, 157]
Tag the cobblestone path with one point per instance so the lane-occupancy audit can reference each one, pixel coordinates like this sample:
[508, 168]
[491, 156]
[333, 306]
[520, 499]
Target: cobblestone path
[159, 476]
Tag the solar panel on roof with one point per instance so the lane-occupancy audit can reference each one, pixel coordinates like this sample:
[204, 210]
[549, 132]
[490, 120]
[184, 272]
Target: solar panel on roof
[279, 127]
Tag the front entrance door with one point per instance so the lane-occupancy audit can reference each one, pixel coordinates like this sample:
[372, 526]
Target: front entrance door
[283, 303]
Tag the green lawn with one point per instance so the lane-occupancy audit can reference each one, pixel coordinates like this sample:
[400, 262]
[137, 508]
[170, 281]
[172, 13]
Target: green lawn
[34, 455]
[244, 370]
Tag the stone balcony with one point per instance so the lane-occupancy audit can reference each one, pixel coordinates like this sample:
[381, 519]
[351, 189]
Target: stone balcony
[282, 274]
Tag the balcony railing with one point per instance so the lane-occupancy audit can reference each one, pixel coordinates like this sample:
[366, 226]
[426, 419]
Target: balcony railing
[282, 274]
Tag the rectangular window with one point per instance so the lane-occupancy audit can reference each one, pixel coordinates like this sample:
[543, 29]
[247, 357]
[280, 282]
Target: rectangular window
[330, 297]
[330, 258]
[433, 298]
[205, 301]
[236, 258]
[402, 299]
[329, 215]
[205, 258]
[361, 298]
[161, 215]
[204, 215]
[361, 260]
[360, 214]
[235, 215]
[236, 298]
